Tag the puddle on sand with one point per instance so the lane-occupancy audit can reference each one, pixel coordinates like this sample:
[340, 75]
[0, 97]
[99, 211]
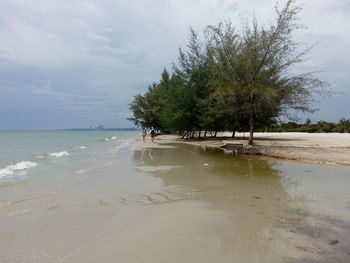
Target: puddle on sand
[279, 211]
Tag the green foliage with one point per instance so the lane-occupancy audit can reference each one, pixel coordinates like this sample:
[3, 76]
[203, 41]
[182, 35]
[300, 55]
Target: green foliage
[229, 80]
[343, 126]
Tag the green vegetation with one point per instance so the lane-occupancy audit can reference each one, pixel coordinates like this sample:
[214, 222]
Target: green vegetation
[231, 80]
[343, 126]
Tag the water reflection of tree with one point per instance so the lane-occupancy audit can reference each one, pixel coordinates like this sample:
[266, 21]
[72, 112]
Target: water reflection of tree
[200, 167]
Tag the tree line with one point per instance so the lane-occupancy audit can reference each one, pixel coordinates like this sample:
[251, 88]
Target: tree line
[231, 80]
[342, 126]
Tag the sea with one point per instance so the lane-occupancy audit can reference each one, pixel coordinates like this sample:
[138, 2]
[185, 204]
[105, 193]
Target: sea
[27, 154]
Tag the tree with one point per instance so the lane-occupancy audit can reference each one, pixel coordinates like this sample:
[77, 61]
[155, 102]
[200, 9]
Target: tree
[232, 81]
[324, 126]
[139, 109]
[344, 125]
[258, 61]
[194, 67]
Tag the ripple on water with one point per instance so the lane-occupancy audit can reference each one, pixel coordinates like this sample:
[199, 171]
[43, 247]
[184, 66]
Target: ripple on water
[159, 197]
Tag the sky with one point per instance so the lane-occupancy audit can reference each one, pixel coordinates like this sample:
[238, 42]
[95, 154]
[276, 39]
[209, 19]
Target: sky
[78, 63]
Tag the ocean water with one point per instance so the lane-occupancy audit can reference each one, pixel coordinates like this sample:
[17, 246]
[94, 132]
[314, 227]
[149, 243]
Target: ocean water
[27, 154]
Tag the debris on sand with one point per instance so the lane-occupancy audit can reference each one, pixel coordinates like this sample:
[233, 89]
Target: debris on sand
[333, 242]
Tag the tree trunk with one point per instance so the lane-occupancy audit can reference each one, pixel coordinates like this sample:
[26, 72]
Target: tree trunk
[233, 134]
[251, 131]
[205, 134]
[215, 134]
[183, 135]
[192, 135]
[199, 134]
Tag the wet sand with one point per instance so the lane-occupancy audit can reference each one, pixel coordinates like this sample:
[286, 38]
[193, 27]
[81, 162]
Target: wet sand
[318, 148]
[172, 202]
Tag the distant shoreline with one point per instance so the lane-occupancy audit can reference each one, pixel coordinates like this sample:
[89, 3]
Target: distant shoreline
[104, 129]
[315, 148]
[73, 129]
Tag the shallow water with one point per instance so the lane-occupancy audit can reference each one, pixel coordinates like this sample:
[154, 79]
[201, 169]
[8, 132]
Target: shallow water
[177, 203]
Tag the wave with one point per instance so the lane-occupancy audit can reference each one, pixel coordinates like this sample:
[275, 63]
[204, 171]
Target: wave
[110, 138]
[118, 147]
[82, 147]
[11, 169]
[59, 154]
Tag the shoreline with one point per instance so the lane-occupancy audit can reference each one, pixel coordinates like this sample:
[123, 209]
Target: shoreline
[207, 205]
[314, 148]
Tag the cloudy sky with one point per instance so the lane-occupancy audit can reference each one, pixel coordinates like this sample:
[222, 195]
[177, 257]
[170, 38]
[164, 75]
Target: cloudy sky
[76, 63]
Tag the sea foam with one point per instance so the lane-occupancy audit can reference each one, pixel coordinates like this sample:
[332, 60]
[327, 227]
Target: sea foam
[111, 138]
[11, 169]
[59, 154]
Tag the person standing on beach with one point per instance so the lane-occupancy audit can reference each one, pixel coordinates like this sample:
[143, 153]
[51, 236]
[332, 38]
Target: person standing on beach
[152, 133]
[144, 133]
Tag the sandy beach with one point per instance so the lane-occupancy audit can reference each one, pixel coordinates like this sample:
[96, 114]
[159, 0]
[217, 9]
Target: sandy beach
[318, 148]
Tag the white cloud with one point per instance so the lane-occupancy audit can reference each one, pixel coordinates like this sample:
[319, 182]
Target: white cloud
[106, 50]
[27, 45]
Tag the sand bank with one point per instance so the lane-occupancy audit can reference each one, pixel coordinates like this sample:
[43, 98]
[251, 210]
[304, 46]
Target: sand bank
[317, 148]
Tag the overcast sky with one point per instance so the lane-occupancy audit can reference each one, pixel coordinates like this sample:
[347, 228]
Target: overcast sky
[76, 63]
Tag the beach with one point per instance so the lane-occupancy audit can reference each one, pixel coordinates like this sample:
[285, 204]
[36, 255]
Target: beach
[126, 131]
[169, 201]
[318, 148]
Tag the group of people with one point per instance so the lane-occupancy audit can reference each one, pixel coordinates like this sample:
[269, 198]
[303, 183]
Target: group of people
[152, 133]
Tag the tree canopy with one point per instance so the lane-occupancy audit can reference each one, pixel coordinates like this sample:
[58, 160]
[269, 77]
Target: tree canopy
[231, 80]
